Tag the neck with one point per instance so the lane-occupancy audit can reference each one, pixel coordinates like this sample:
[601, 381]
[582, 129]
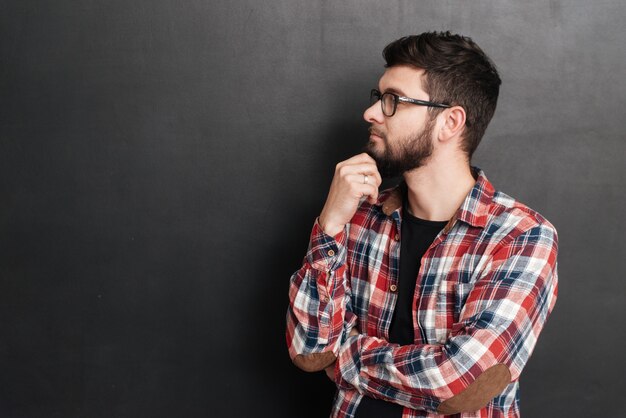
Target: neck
[437, 190]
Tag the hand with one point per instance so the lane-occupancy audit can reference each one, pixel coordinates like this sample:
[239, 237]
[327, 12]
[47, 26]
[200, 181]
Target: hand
[347, 189]
[330, 370]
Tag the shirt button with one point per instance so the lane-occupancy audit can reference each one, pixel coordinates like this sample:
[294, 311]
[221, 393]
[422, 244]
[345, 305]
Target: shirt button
[397, 237]
[393, 287]
[331, 253]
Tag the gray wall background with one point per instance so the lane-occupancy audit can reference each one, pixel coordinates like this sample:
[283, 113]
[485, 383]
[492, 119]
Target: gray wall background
[162, 162]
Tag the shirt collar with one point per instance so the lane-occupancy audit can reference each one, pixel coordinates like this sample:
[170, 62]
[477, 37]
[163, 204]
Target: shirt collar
[474, 210]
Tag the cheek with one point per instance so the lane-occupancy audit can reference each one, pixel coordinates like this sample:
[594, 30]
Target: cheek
[399, 128]
[410, 124]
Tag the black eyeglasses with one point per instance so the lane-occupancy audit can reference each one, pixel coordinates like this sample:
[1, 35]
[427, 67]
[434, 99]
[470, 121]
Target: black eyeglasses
[389, 102]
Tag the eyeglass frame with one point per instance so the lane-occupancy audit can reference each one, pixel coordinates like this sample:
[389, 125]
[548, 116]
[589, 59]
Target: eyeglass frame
[397, 98]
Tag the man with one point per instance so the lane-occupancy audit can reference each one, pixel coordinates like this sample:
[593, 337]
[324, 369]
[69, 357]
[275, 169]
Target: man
[426, 299]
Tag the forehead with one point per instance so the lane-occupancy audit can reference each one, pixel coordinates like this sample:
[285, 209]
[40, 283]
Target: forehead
[403, 80]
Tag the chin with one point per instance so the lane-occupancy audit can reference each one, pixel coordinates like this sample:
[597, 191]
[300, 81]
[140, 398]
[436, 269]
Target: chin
[375, 148]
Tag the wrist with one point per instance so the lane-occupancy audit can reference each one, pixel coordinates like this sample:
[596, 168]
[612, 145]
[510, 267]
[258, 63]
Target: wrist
[328, 227]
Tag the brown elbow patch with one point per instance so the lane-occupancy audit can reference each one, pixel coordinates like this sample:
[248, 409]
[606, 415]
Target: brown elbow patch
[478, 394]
[314, 362]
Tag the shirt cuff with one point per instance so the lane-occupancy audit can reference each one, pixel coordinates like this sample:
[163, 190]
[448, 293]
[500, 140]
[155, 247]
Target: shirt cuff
[326, 252]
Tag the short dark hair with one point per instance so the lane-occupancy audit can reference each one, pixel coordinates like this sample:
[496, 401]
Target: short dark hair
[457, 72]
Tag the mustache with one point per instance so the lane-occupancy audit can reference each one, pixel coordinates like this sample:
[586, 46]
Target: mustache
[373, 131]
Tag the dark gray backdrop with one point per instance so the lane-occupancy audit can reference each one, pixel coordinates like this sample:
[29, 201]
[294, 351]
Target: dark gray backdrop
[161, 164]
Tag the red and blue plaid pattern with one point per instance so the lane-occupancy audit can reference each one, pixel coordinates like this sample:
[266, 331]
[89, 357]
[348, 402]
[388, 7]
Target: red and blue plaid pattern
[484, 291]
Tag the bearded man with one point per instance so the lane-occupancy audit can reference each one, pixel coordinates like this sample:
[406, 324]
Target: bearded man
[426, 299]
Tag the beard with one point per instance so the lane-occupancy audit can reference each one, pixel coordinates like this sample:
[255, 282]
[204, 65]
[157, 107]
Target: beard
[404, 155]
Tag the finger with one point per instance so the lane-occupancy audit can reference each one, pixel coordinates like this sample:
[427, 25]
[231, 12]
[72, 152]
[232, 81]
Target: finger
[369, 169]
[363, 179]
[377, 177]
[364, 157]
[359, 159]
[366, 190]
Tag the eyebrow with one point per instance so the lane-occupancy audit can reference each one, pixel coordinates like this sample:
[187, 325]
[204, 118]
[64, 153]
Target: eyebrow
[394, 90]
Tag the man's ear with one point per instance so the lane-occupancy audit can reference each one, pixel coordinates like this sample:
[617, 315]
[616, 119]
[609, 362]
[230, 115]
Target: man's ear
[453, 123]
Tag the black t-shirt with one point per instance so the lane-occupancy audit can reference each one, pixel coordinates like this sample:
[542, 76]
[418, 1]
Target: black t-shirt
[416, 236]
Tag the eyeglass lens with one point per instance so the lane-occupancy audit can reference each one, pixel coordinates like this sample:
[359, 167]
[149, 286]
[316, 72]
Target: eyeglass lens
[389, 104]
[387, 101]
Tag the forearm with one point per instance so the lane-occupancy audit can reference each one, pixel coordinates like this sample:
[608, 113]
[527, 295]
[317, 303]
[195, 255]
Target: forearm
[315, 321]
[319, 292]
[435, 378]
[318, 296]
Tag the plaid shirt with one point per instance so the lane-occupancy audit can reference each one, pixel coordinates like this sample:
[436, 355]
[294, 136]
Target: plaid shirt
[484, 290]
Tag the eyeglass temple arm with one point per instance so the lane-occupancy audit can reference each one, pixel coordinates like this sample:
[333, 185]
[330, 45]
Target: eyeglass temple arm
[422, 102]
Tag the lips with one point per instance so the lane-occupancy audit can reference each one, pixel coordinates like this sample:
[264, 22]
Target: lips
[374, 133]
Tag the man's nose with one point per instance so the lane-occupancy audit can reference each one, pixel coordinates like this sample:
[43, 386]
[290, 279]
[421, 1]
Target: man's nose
[374, 113]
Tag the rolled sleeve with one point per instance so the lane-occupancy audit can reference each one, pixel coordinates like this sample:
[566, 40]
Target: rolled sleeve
[318, 296]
